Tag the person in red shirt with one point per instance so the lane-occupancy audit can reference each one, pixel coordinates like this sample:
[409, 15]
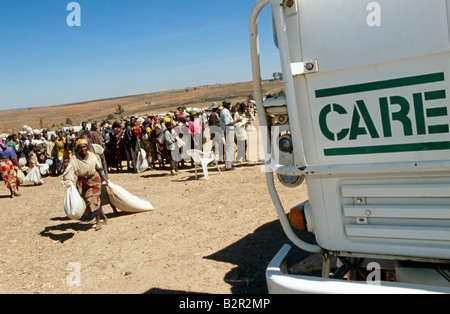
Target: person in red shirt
[8, 167]
[195, 130]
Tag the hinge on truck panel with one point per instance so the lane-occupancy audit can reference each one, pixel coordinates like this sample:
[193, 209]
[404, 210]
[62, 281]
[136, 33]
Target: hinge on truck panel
[299, 68]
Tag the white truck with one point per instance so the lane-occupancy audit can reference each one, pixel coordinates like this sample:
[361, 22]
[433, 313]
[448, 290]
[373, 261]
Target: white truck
[365, 124]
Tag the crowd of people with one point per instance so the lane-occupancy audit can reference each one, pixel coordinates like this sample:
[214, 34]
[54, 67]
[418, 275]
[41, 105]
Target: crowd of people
[141, 143]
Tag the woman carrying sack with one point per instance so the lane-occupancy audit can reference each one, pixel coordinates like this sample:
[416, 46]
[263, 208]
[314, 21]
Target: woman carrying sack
[87, 168]
[9, 166]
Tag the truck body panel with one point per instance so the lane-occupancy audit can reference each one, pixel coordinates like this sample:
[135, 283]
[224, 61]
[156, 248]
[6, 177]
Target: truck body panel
[367, 101]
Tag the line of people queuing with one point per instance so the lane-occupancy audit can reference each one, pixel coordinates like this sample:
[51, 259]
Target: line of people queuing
[160, 138]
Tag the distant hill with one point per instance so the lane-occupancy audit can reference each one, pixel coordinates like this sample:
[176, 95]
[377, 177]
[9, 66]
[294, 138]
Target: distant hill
[54, 117]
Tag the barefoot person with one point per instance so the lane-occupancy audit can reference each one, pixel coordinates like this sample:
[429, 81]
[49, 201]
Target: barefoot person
[8, 166]
[87, 168]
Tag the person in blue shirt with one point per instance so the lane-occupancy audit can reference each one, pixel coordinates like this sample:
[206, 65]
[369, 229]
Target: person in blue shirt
[227, 124]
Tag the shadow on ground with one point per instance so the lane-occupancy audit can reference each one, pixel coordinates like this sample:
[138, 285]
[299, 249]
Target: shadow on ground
[251, 255]
[66, 230]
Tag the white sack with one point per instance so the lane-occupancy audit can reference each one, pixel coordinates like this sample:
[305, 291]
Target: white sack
[20, 177]
[141, 161]
[74, 205]
[22, 160]
[34, 176]
[43, 168]
[126, 201]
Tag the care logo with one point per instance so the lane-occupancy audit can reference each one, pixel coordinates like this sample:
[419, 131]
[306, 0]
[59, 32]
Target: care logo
[415, 112]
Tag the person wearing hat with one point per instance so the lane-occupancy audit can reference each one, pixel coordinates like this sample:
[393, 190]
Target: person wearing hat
[170, 145]
[139, 131]
[87, 167]
[9, 164]
[148, 123]
[227, 124]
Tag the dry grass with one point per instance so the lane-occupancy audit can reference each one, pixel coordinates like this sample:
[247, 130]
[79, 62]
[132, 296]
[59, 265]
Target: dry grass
[157, 102]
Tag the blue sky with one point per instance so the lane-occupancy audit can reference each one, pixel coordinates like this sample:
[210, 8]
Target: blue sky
[124, 48]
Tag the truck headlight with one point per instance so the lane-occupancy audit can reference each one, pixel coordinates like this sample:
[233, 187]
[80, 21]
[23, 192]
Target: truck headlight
[285, 143]
[290, 181]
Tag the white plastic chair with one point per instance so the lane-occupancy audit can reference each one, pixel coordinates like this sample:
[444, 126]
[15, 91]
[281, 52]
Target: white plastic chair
[203, 159]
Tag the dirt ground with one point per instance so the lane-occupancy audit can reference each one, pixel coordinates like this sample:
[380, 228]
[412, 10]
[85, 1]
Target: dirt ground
[214, 237]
